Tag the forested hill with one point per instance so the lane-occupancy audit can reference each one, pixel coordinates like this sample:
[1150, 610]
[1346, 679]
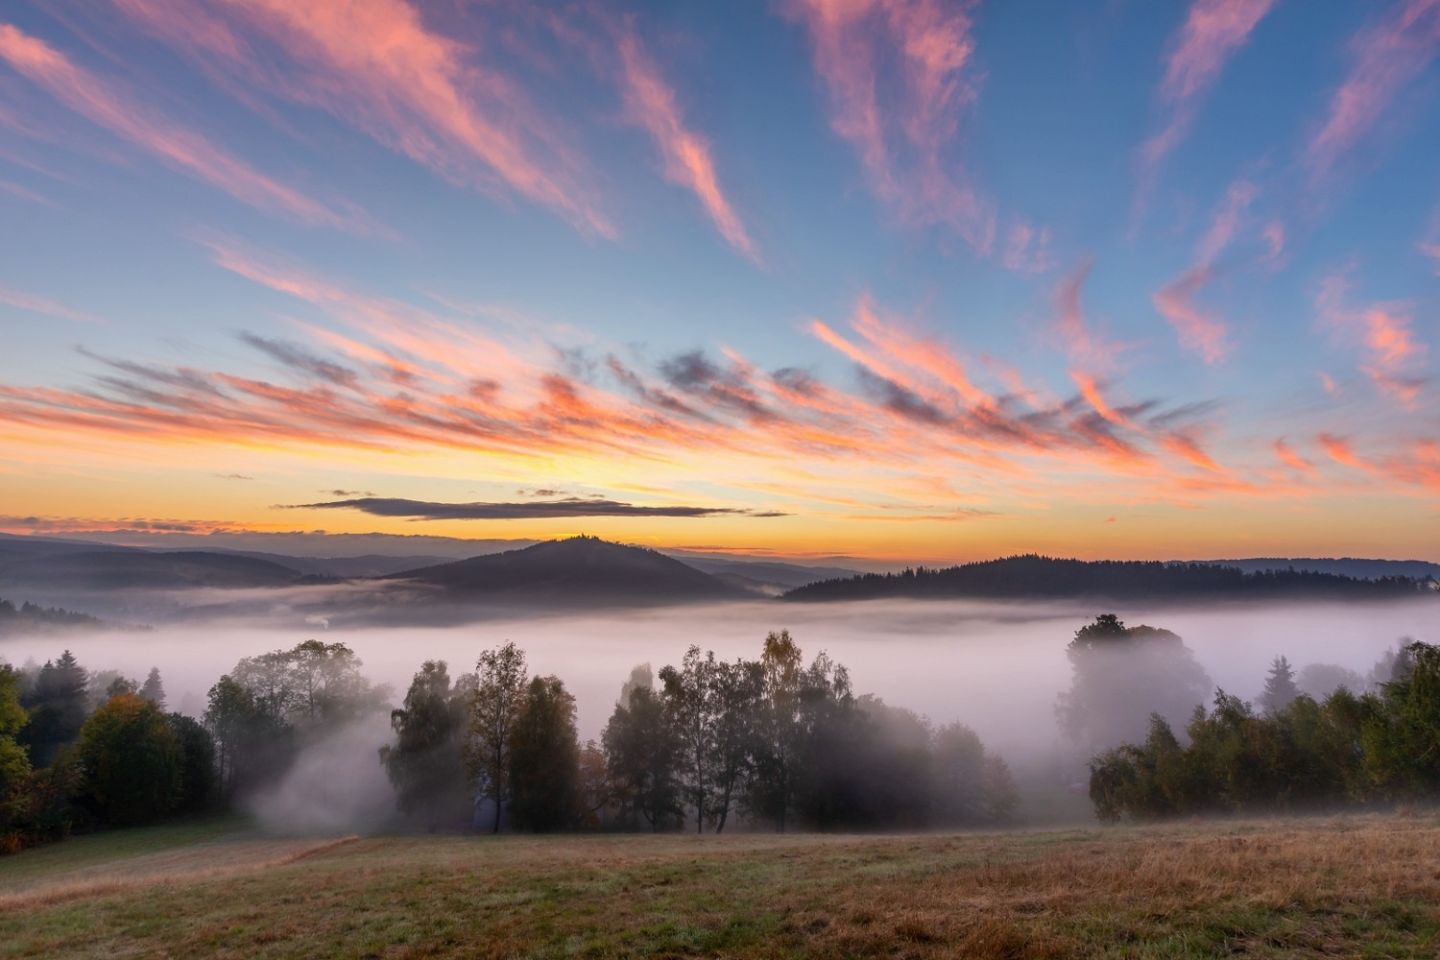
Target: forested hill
[29, 616]
[1036, 576]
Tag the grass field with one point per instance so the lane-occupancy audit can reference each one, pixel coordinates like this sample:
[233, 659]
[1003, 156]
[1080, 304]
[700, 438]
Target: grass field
[1352, 887]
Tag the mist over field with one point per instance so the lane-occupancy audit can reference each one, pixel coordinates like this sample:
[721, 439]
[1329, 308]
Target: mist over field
[996, 667]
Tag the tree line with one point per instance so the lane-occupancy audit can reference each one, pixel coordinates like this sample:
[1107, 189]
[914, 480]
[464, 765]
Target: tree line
[68, 764]
[31, 616]
[1290, 752]
[774, 742]
[1030, 575]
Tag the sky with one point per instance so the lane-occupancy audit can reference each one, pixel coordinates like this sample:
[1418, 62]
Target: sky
[892, 279]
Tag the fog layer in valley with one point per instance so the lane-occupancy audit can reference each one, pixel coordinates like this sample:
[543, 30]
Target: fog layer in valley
[995, 667]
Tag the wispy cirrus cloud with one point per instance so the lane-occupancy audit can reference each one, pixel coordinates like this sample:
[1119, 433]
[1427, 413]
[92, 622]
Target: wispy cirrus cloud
[651, 104]
[102, 102]
[1289, 456]
[904, 128]
[568, 508]
[376, 65]
[43, 306]
[1343, 452]
[1085, 348]
[1201, 330]
[1385, 58]
[1213, 31]
[13, 189]
[1392, 356]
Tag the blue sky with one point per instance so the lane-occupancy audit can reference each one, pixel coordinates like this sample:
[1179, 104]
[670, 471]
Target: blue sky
[1253, 346]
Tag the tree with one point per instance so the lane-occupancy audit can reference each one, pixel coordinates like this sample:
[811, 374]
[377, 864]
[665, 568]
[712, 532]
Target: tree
[494, 710]
[642, 755]
[778, 733]
[199, 782]
[691, 707]
[311, 685]
[427, 762]
[999, 796]
[132, 761]
[58, 706]
[1401, 737]
[14, 760]
[545, 758]
[737, 690]
[1319, 680]
[252, 743]
[1280, 688]
[1120, 676]
[153, 690]
[959, 765]
[594, 787]
[104, 684]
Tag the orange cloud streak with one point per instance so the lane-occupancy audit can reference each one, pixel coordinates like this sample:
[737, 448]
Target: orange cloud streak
[1340, 450]
[1291, 458]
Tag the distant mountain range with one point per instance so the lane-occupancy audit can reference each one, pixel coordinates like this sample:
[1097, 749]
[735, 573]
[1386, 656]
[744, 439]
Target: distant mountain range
[593, 572]
[1032, 576]
[60, 564]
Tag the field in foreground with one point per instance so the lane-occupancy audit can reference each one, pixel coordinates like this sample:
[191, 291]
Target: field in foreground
[1361, 886]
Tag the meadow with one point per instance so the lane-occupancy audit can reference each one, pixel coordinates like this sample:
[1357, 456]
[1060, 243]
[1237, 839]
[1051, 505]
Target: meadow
[1359, 886]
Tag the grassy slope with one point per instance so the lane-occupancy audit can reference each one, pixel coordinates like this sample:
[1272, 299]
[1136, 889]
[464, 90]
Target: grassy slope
[1365, 886]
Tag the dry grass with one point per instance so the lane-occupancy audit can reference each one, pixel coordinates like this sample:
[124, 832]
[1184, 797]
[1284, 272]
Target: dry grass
[1365, 886]
[214, 861]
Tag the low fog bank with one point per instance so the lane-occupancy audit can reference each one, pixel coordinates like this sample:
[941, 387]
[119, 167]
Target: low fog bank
[335, 785]
[997, 668]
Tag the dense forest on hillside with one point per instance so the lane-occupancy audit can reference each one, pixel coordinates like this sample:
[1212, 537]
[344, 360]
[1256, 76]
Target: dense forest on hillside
[1031, 575]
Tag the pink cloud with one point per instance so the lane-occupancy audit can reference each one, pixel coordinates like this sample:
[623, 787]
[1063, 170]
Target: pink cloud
[1081, 345]
[101, 102]
[1392, 355]
[1340, 450]
[1197, 329]
[24, 193]
[1274, 236]
[1432, 250]
[1291, 458]
[1213, 31]
[1027, 248]
[904, 134]
[376, 65]
[31, 303]
[650, 103]
[1386, 57]
[1228, 220]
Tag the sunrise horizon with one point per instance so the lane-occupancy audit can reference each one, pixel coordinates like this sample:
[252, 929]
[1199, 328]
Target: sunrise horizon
[518, 276]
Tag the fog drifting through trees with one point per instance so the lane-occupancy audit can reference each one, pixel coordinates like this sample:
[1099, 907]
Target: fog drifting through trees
[996, 668]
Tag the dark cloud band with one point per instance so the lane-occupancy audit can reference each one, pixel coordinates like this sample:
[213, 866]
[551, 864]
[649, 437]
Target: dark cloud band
[544, 509]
